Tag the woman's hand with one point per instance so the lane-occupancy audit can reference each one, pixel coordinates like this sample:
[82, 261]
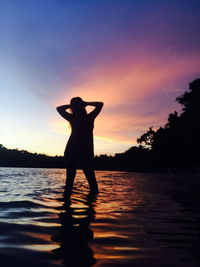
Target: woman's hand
[85, 103]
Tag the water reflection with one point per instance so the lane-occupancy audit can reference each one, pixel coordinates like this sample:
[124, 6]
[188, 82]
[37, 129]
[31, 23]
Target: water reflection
[140, 220]
[74, 234]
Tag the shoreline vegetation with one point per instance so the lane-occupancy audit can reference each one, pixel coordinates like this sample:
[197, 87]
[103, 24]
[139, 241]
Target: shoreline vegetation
[174, 146]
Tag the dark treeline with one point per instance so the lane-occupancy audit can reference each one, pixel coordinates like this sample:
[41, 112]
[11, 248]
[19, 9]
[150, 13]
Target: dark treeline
[23, 158]
[175, 145]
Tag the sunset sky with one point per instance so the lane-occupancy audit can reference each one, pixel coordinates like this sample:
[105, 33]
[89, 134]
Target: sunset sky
[136, 56]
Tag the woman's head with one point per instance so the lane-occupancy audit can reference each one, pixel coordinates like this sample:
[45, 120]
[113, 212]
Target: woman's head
[77, 106]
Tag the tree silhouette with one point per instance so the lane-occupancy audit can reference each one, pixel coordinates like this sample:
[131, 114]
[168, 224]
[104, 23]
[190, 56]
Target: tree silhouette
[147, 138]
[177, 143]
[190, 100]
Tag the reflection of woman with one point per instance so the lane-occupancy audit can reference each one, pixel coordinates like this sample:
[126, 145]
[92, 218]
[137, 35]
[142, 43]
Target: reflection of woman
[75, 233]
[79, 150]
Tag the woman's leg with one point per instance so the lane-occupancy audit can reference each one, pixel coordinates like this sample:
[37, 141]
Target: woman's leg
[90, 176]
[71, 173]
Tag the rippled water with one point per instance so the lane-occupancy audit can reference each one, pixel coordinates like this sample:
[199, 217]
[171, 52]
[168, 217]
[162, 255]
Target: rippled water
[136, 220]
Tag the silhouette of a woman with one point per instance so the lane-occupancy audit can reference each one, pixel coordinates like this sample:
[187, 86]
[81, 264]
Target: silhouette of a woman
[79, 152]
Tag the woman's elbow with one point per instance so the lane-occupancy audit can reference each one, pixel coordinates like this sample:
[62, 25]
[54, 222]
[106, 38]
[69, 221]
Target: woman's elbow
[58, 109]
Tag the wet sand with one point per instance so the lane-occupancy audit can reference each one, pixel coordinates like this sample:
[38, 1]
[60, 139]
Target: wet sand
[136, 220]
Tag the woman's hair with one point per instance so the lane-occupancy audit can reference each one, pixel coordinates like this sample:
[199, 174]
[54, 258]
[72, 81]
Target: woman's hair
[76, 100]
[77, 106]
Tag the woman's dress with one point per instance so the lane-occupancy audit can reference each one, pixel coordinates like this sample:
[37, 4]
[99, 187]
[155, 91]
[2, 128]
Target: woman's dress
[79, 152]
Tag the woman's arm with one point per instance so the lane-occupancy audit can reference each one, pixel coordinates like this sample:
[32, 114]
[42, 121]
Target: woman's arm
[62, 111]
[98, 106]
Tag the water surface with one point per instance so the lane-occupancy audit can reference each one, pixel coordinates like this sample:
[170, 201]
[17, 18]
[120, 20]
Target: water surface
[136, 219]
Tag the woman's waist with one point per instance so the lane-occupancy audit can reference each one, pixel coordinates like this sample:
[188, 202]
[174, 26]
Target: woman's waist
[79, 135]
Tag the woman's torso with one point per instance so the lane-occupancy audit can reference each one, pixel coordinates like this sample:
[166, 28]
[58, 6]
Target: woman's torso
[81, 138]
